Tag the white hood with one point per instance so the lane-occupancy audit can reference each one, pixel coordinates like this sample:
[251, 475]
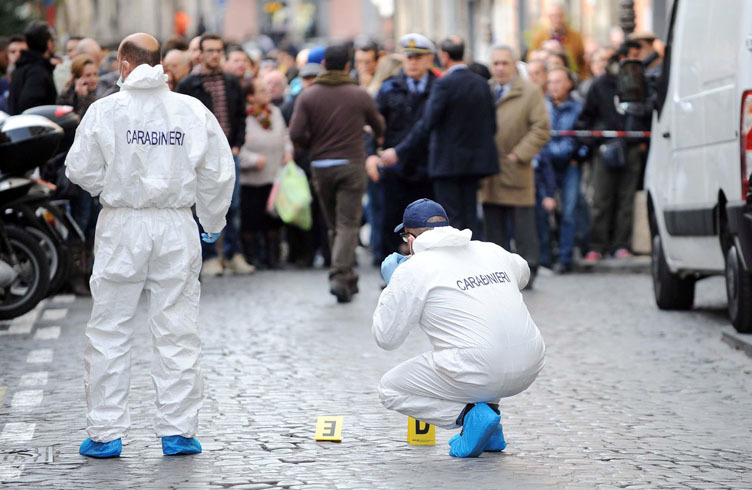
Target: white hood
[443, 236]
[145, 77]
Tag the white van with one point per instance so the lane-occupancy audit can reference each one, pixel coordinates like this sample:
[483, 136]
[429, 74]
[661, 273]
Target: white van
[698, 170]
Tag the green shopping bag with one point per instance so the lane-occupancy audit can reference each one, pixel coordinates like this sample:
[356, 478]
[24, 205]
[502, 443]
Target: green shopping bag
[293, 199]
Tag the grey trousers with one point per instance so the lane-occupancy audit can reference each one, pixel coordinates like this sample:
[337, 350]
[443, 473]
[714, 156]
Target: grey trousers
[340, 190]
[504, 223]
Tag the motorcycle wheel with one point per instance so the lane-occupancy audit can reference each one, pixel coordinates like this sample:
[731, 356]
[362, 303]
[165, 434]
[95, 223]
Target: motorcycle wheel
[30, 287]
[58, 256]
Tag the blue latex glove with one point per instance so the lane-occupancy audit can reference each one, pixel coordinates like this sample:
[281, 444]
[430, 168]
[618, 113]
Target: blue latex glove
[390, 264]
[210, 237]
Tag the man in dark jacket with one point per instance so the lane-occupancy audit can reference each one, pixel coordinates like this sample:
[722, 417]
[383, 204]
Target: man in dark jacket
[459, 122]
[617, 165]
[222, 95]
[401, 100]
[328, 120]
[32, 83]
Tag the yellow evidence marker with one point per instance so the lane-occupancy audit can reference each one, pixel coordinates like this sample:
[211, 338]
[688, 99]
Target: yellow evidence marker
[329, 428]
[420, 433]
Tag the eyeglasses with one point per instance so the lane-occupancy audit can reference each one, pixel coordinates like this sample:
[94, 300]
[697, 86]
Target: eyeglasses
[406, 234]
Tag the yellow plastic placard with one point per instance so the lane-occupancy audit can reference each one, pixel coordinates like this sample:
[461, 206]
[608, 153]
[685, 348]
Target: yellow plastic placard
[420, 433]
[329, 428]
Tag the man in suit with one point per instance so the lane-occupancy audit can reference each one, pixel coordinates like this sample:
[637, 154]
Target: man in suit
[459, 123]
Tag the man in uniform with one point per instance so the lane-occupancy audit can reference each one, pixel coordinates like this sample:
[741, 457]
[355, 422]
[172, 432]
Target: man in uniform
[465, 295]
[150, 154]
[401, 100]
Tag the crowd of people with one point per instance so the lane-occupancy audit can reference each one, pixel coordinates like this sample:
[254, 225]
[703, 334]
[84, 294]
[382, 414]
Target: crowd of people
[374, 131]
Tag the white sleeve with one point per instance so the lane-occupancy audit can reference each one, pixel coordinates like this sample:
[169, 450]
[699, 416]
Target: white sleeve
[399, 310]
[85, 163]
[522, 269]
[216, 178]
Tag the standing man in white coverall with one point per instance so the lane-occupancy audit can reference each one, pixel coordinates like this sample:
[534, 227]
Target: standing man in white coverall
[465, 295]
[150, 154]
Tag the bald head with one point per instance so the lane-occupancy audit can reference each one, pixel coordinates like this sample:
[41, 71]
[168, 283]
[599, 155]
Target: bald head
[138, 49]
[176, 64]
[89, 47]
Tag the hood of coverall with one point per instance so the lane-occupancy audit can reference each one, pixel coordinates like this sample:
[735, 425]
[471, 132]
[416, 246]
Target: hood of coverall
[444, 236]
[145, 77]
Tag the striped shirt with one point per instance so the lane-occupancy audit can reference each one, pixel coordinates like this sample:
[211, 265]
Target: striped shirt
[214, 84]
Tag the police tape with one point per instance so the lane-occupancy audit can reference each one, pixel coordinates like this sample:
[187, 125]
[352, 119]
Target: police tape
[601, 134]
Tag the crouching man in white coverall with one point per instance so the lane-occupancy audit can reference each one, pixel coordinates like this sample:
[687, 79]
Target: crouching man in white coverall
[465, 295]
[150, 155]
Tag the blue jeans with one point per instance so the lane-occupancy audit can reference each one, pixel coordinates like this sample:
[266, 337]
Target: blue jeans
[568, 183]
[375, 216]
[230, 235]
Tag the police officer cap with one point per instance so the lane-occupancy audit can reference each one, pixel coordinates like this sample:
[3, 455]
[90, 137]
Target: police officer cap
[419, 212]
[415, 44]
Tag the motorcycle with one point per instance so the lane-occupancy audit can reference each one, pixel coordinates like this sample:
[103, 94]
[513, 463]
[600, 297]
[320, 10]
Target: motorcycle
[41, 137]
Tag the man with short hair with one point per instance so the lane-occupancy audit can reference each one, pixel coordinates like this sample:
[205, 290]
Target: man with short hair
[465, 295]
[537, 73]
[509, 198]
[32, 83]
[328, 120]
[366, 61]
[402, 101]
[558, 29]
[238, 63]
[222, 95]
[459, 123]
[177, 65]
[276, 84]
[562, 154]
[16, 44]
[150, 155]
[194, 51]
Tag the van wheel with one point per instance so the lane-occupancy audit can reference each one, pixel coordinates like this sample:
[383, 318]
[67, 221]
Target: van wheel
[671, 291]
[739, 292]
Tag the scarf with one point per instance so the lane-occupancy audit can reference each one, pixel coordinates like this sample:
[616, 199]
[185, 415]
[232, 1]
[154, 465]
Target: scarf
[334, 77]
[262, 115]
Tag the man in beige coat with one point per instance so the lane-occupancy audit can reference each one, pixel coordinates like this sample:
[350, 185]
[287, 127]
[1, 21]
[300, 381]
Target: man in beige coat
[522, 130]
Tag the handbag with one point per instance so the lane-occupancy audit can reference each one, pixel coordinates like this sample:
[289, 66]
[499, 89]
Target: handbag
[614, 154]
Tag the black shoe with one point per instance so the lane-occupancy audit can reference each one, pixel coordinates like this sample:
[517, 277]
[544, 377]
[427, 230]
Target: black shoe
[342, 293]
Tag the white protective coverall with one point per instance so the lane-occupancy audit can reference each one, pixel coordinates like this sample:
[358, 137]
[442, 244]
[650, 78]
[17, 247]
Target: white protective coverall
[149, 154]
[465, 295]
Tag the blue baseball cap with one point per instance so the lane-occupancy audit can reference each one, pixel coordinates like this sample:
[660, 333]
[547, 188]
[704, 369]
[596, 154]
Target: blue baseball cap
[316, 55]
[419, 212]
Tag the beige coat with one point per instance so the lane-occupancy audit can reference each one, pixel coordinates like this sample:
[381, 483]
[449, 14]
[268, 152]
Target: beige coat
[522, 128]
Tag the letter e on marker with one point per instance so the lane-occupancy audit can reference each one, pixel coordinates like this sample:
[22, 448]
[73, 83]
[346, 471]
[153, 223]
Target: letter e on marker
[329, 428]
[420, 433]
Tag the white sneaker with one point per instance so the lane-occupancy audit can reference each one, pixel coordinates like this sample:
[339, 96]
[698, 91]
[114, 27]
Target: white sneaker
[212, 268]
[239, 266]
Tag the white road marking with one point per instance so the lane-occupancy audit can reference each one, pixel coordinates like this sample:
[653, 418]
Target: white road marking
[47, 333]
[55, 314]
[33, 379]
[39, 356]
[27, 399]
[17, 432]
[20, 328]
[64, 299]
[10, 471]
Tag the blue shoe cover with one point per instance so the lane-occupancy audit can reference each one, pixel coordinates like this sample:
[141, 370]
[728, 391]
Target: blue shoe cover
[174, 445]
[479, 425]
[101, 449]
[495, 443]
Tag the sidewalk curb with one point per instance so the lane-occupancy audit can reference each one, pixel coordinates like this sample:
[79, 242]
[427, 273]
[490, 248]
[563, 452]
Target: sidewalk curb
[738, 340]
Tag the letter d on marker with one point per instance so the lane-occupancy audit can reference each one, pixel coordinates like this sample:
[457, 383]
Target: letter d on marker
[420, 433]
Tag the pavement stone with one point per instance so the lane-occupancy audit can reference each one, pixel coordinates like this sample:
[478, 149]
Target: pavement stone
[631, 396]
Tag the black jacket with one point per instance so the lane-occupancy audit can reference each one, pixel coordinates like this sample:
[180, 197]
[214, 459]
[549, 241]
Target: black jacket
[31, 84]
[459, 121]
[193, 86]
[402, 110]
[600, 111]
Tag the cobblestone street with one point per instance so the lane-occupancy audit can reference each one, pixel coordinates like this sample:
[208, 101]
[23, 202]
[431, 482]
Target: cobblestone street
[631, 397]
